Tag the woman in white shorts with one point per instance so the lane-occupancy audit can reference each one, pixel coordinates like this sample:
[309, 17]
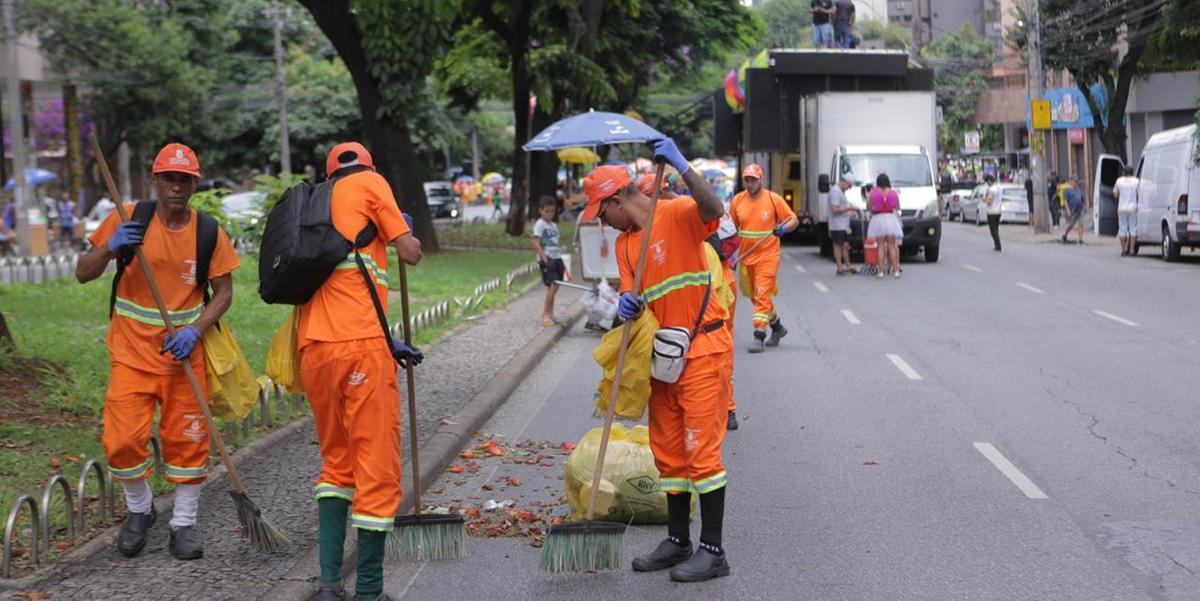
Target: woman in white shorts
[885, 225]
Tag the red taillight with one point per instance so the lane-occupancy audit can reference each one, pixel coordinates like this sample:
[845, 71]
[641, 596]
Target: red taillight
[1183, 205]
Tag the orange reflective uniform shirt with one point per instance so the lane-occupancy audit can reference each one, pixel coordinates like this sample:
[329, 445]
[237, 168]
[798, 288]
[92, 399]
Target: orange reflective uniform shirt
[676, 275]
[341, 309]
[136, 332]
[756, 217]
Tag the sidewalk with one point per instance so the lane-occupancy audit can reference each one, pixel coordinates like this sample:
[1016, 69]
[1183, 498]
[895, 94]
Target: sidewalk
[1016, 232]
[280, 481]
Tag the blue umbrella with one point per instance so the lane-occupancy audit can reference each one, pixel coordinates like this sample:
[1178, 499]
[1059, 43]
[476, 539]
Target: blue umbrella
[592, 129]
[33, 176]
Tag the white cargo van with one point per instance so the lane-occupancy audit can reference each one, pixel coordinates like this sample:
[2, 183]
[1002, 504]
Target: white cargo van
[1168, 213]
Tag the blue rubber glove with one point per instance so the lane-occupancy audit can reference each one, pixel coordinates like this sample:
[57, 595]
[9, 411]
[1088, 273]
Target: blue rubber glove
[668, 151]
[181, 344]
[779, 231]
[629, 306]
[406, 354]
[128, 234]
[408, 220]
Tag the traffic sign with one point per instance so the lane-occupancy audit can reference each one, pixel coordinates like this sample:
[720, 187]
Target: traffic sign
[1039, 111]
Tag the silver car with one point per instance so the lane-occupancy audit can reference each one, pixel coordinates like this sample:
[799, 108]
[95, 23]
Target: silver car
[1014, 205]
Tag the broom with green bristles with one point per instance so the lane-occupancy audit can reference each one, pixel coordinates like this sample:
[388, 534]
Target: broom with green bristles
[421, 536]
[596, 545]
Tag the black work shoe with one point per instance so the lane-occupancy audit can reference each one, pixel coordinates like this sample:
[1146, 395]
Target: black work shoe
[329, 591]
[665, 555]
[132, 539]
[185, 543]
[731, 423]
[702, 566]
[757, 345]
[777, 332]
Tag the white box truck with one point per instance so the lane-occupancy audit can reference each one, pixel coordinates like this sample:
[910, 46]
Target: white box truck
[863, 134]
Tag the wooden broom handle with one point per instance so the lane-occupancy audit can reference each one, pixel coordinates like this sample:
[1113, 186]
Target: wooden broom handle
[166, 317]
[626, 332]
[412, 393]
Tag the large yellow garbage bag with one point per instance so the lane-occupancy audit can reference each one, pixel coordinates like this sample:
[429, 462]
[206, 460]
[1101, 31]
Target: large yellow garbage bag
[283, 358]
[635, 382]
[629, 486]
[722, 293]
[747, 288]
[232, 388]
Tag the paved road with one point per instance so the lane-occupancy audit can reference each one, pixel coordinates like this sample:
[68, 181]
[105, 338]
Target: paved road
[996, 426]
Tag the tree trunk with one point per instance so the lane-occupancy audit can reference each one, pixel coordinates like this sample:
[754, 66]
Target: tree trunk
[74, 145]
[6, 339]
[543, 178]
[518, 48]
[391, 147]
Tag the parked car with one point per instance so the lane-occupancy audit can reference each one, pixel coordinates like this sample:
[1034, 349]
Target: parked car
[443, 204]
[952, 203]
[1014, 206]
[1168, 179]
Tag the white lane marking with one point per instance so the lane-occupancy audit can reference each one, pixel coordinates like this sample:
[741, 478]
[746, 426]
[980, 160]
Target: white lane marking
[821, 287]
[970, 267]
[1006, 467]
[1115, 318]
[411, 581]
[801, 269]
[904, 367]
[1033, 289]
[850, 316]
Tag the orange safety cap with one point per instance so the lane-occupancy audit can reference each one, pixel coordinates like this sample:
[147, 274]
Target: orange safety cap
[645, 183]
[601, 184]
[752, 170]
[176, 157]
[347, 154]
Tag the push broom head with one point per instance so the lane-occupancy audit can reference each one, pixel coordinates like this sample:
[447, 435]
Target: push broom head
[264, 536]
[427, 536]
[583, 547]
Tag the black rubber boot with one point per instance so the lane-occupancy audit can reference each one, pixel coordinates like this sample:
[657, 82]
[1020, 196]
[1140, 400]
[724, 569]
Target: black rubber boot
[759, 337]
[329, 591]
[666, 554]
[777, 332]
[731, 423]
[185, 543]
[703, 565]
[134, 531]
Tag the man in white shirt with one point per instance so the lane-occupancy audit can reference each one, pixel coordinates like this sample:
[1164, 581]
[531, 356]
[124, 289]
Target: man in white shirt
[1126, 192]
[839, 224]
[992, 200]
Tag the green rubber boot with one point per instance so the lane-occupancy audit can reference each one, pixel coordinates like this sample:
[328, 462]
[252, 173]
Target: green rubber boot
[371, 545]
[331, 537]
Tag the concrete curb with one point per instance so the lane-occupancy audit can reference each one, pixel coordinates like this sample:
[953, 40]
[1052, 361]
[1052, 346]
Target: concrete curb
[163, 504]
[439, 451]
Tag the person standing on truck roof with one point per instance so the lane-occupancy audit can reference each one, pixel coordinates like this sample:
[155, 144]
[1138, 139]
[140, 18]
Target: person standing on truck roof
[822, 30]
[687, 417]
[759, 213]
[843, 23]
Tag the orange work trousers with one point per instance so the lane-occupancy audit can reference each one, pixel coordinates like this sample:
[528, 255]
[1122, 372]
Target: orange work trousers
[687, 426]
[356, 405]
[129, 405]
[762, 278]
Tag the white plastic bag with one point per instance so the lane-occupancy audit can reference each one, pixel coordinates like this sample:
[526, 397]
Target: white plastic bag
[601, 305]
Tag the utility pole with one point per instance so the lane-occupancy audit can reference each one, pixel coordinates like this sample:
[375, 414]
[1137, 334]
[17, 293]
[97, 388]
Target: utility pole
[16, 128]
[285, 151]
[1037, 138]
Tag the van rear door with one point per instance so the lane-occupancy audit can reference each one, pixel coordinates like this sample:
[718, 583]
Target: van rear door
[1104, 204]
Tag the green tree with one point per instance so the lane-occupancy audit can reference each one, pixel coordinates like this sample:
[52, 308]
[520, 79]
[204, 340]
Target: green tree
[893, 36]
[960, 61]
[788, 23]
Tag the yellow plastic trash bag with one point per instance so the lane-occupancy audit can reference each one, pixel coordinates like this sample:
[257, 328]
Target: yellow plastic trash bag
[629, 487]
[283, 358]
[635, 382]
[232, 389]
[745, 286]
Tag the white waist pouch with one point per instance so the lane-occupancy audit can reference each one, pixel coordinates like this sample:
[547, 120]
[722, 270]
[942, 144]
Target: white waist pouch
[670, 354]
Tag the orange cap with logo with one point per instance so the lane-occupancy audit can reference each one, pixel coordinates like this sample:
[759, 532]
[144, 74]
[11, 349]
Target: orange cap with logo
[752, 170]
[645, 184]
[178, 158]
[347, 154]
[601, 184]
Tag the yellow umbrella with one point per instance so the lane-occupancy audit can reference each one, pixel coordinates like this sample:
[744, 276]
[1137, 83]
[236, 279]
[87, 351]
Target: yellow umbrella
[578, 154]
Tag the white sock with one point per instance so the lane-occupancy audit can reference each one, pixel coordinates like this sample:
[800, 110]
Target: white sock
[187, 502]
[138, 497]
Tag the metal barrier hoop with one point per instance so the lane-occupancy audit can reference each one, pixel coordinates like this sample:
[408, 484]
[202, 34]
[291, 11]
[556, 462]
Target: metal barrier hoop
[102, 477]
[46, 493]
[6, 568]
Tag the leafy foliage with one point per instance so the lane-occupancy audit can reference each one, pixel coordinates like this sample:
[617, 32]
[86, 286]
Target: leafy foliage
[959, 60]
[893, 35]
[274, 186]
[788, 23]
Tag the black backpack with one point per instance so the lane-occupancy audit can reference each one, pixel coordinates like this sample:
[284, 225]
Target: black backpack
[300, 247]
[206, 244]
